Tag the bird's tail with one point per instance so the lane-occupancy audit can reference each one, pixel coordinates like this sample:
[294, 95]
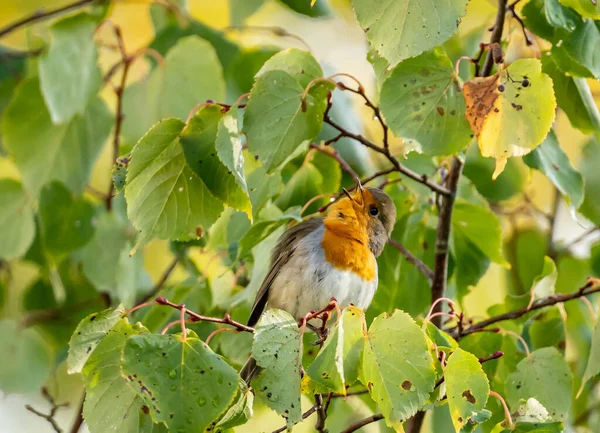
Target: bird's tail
[250, 370]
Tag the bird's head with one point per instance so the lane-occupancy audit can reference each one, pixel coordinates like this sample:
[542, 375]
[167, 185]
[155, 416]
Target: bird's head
[368, 213]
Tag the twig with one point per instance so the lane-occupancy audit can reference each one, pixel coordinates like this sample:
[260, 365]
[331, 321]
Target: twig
[506, 411]
[495, 38]
[332, 153]
[195, 317]
[305, 415]
[161, 282]
[50, 416]
[277, 31]
[511, 8]
[593, 284]
[321, 414]
[362, 422]
[422, 267]
[580, 238]
[42, 14]
[351, 393]
[438, 287]
[79, 419]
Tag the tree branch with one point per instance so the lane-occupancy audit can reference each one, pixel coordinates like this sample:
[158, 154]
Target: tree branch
[422, 267]
[438, 287]
[79, 419]
[362, 422]
[332, 153]
[495, 38]
[42, 14]
[592, 286]
[161, 282]
[305, 415]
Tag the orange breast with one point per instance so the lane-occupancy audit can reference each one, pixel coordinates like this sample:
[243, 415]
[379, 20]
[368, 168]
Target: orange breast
[349, 250]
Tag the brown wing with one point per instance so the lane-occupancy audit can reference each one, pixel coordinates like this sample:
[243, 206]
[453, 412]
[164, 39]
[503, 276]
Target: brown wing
[286, 245]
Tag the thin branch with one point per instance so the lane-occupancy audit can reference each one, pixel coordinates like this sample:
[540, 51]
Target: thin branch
[277, 31]
[592, 286]
[581, 237]
[195, 317]
[528, 40]
[332, 153]
[79, 419]
[351, 393]
[50, 416]
[362, 422]
[438, 287]
[321, 414]
[42, 14]
[161, 282]
[422, 267]
[305, 415]
[495, 38]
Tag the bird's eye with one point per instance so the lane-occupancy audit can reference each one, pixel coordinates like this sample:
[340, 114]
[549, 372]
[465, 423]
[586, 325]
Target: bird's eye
[373, 211]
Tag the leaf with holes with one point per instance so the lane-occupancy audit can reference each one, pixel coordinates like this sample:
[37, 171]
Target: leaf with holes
[337, 363]
[17, 225]
[544, 375]
[421, 100]
[88, 334]
[213, 150]
[44, 151]
[69, 74]
[510, 112]
[397, 368]
[110, 404]
[399, 29]
[467, 387]
[277, 348]
[184, 384]
[165, 198]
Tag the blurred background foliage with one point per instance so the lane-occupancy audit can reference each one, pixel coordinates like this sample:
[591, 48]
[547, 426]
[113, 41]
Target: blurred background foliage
[208, 277]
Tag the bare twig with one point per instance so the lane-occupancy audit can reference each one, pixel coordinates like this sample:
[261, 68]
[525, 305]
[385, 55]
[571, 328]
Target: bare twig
[305, 415]
[516, 16]
[321, 414]
[79, 418]
[195, 317]
[438, 287]
[422, 267]
[50, 416]
[332, 153]
[592, 286]
[42, 14]
[277, 31]
[495, 38]
[362, 422]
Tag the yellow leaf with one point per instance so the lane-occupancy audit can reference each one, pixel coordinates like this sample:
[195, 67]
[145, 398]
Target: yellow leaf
[512, 111]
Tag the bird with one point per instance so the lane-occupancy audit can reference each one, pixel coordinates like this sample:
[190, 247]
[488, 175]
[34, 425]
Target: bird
[324, 258]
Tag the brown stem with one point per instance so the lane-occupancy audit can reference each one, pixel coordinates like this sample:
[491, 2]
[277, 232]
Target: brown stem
[321, 414]
[422, 267]
[332, 153]
[414, 424]
[438, 287]
[79, 419]
[592, 286]
[362, 422]
[161, 282]
[305, 415]
[421, 178]
[195, 317]
[495, 38]
[42, 14]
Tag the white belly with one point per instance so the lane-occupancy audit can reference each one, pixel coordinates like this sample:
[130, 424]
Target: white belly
[307, 282]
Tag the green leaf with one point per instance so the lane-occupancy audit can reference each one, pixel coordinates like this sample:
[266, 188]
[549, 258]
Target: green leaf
[567, 94]
[43, 151]
[262, 187]
[545, 283]
[260, 230]
[241, 411]
[471, 262]
[299, 64]
[536, 427]
[581, 46]
[337, 363]
[110, 403]
[27, 360]
[466, 385]
[560, 16]
[481, 227]
[550, 159]
[593, 364]
[174, 89]
[274, 120]
[17, 226]
[318, 9]
[397, 367]
[69, 74]
[510, 112]
[587, 9]
[66, 222]
[88, 334]
[240, 76]
[590, 161]
[183, 382]
[402, 29]
[482, 345]
[277, 348]
[165, 198]
[213, 150]
[432, 111]
[544, 375]
[240, 10]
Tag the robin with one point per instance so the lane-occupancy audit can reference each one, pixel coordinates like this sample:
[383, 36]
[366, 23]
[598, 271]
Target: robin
[324, 258]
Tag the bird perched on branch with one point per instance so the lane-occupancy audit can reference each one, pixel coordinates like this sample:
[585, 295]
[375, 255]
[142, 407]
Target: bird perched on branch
[324, 258]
